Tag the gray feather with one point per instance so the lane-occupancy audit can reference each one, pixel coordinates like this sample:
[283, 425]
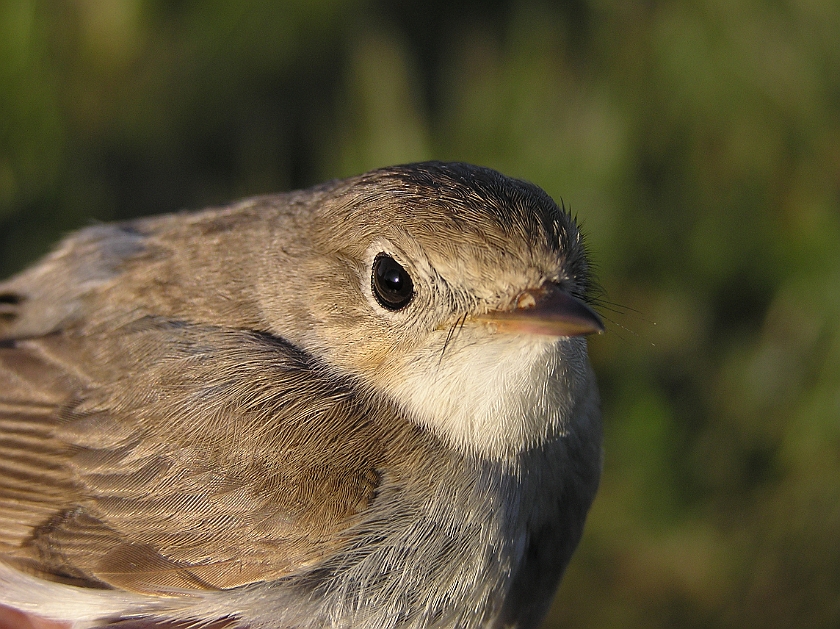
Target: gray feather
[201, 417]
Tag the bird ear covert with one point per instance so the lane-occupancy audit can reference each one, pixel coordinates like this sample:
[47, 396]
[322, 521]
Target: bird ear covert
[391, 284]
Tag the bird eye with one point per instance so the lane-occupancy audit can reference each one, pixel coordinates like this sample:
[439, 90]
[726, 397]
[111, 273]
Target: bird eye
[391, 284]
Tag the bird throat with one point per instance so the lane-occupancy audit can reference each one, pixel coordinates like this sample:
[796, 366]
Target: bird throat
[490, 400]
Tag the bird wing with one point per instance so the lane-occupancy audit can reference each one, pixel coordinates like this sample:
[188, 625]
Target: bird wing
[166, 455]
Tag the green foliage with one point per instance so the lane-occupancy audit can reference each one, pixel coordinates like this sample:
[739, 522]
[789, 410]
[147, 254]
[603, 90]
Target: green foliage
[699, 142]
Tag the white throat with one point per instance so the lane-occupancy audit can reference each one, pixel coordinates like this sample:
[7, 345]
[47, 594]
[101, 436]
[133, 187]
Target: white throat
[493, 397]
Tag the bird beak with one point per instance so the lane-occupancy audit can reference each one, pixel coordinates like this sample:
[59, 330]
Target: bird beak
[549, 311]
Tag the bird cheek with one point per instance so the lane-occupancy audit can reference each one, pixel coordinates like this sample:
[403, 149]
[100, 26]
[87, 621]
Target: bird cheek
[372, 358]
[357, 350]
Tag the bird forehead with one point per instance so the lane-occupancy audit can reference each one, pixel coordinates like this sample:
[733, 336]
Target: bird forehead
[465, 261]
[495, 269]
[437, 201]
[470, 226]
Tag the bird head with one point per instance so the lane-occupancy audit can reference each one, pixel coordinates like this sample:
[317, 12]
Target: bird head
[458, 293]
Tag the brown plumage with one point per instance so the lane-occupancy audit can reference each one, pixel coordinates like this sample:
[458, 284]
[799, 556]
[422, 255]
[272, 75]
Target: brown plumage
[215, 416]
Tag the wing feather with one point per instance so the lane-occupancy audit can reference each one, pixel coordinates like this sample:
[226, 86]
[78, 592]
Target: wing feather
[173, 456]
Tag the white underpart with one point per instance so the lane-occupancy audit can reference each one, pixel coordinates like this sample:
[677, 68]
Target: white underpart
[80, 606]
[493, 394]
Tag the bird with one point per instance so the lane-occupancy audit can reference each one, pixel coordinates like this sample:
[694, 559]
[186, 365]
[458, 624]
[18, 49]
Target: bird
[367, 404]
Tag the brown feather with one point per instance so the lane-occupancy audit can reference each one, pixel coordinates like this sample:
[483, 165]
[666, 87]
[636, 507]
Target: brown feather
[95, 487]
[206, 401]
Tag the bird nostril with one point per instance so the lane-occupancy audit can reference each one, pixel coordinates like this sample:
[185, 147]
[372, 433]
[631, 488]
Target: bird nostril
[526, 300]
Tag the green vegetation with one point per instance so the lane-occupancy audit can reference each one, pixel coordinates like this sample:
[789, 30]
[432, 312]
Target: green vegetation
[699, 142]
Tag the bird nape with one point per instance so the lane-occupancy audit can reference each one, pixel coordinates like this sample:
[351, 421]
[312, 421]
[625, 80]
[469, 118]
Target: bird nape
[367, 404]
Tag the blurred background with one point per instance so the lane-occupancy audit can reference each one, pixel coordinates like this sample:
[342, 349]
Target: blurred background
[698, 141]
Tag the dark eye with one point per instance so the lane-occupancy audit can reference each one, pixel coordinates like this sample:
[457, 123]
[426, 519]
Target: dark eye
[391, 284]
